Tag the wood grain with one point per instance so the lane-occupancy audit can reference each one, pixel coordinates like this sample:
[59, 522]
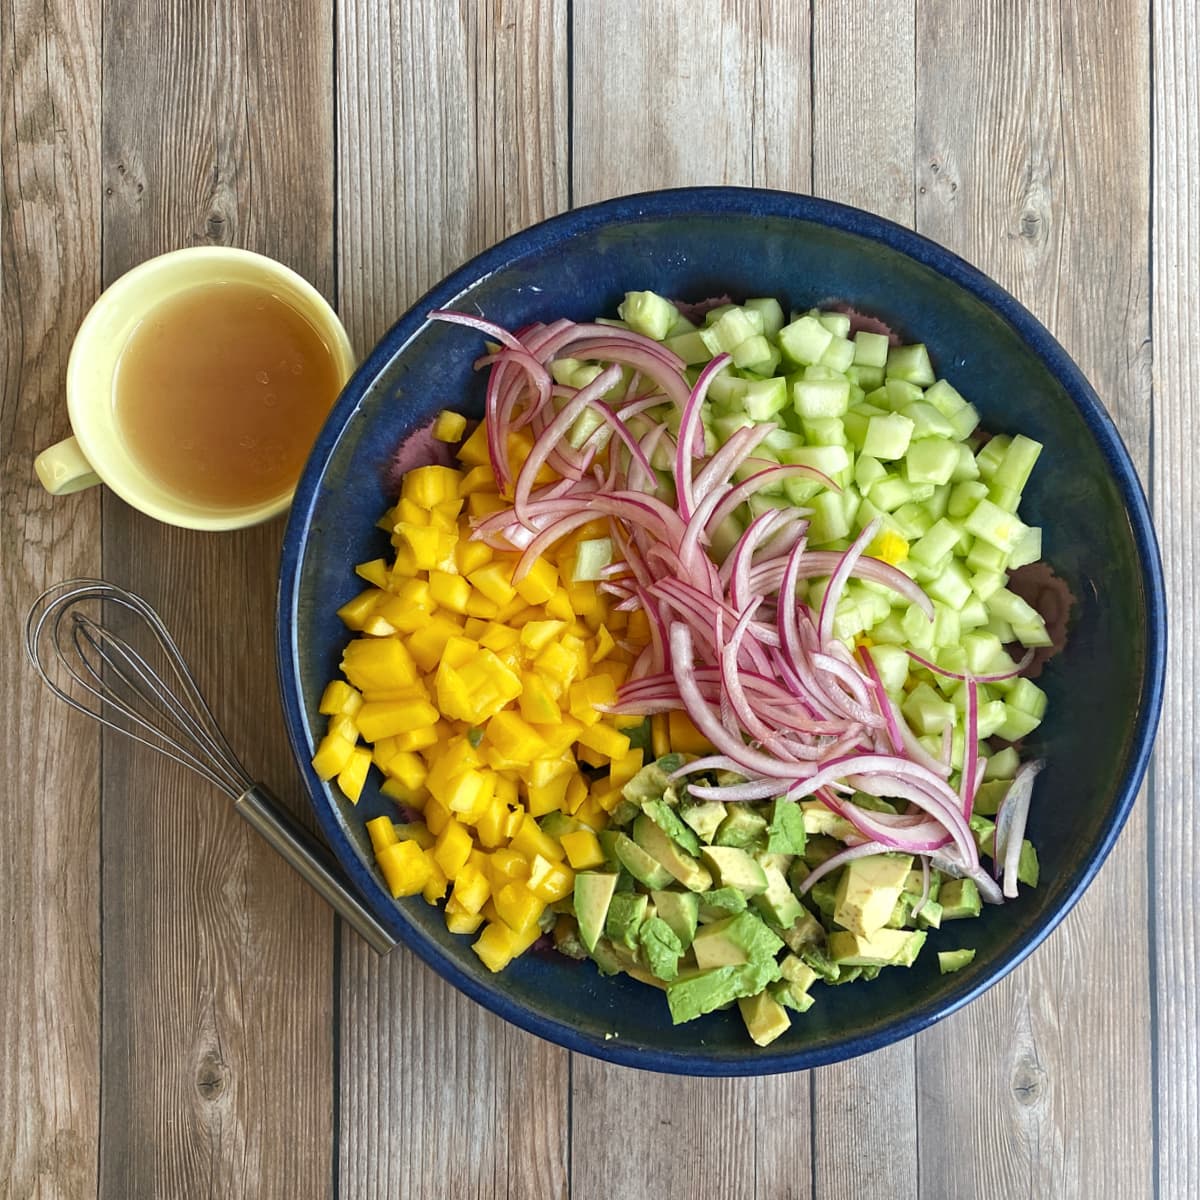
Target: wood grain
[1175, 782]
[217, 963]
[452, 123]
[1026, 115]
[49, 835]
[863, 91]
[670, 95]
[728, 94]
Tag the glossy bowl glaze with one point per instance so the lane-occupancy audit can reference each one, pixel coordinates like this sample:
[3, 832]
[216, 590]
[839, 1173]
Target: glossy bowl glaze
[1104, 689]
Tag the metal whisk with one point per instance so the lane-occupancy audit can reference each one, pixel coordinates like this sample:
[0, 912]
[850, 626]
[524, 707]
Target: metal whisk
[165, 710]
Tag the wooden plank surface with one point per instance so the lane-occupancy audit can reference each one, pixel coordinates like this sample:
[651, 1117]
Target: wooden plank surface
[728, 90]
[864, 1110]
[1175, 779]
[217, 961]
[1022, 110]
[452, 134]
[49, 818]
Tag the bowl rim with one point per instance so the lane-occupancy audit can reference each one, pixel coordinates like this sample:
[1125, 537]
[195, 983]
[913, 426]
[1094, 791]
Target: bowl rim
[754, 203]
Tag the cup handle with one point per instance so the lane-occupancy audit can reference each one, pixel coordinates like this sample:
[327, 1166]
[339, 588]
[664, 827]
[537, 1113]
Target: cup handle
[63, 469]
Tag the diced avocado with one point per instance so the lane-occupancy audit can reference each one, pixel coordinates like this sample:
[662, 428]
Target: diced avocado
[821, 820]
[786, 833]
[823, 893]
[623, 812]
[905, 913]
[984, 832]
[882, 948]
[681, 912]
[663, 815]
[959, 899]
[642, 866]
[737, 939]
[914, 885]
[721, 902]
[705, 817]
[648, 784]
[778, 903]
[673, 861]
[660, 947]
[817, 958]
[605, 958]
[991, 795]
[1028, 869]
[795, 970]
[626, 911]
[764, 1016]
[741, 828]
[593, 892]
[816, 850]
[792, 995]
[950, 961]
[735, 868]
[868, 890]
[555, 824]
[706, 991]
[805, 930]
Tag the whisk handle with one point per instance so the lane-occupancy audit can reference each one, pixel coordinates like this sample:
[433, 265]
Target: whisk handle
[312, 862]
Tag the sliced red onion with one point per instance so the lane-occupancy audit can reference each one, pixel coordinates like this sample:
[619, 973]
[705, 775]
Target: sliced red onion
[837, 581]
[1010, 823]
[689, 428]
[840, 859]
[929, 665]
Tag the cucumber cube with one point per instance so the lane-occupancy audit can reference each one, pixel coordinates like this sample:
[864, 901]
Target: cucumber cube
[918, 628]
[763, 398]
[993, 525]
[1008, 499]
[828, 522]
[805, 340]
[829, 460]
[755, 354]
[648, 314]
[1016, 724]
[952, 586]
[973, 613]
[987, 583]
[870, 349]
[824, 431]
[1003, 764]
[991, 455]
[964, 496]
[984, 557]
[821, 397]
[927, 420]
[936, 544]
[926, 711]
[1028, 549]
[1028, 697]
[967, 468]
[689, 346]
[944, 398]
[891, 662]
[913, 520]
[890, 492]
[772, 315]
[990, 717]
[1017, 464]
[837, 323]
[931, 460]
[839, 354]
[910, 363]
[888, 436]
[866, 378]
[867, 470]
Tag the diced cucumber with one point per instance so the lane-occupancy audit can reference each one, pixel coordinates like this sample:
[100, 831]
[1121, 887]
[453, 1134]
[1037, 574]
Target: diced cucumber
[824, 431]
[992, 454]
[821, 397]
[837, 323]
[931, 460]
[888, 437]
[593, 555]
[870, 349]
[965, 496]
[967, 468]
[763, 398]
[771, 313]
[689, 346]
[936, 544]
[952, 586]
[995, 526]
[805, 340]
[927, 421]
[756, 354]
[829, 520]
[926, 711]
[1017, 465]
[839, 354]
[910, 363]
[1003, 764]
[1016, 724]
[867, 470]
[648, 313]
[1028, 549]
[984, 557]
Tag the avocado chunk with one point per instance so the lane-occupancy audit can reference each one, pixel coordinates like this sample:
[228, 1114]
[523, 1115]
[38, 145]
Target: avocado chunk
[764, 1016]
[929, 916]
[706, 991]
[868, 890]
[642, 866]
[663, 815]
[1028, 869]
[786, 833]
[737, 939]
[653, 780]
[660, 948]
[825, 822]
[720, 902]
[950, 961]
[674, 862]
[959, 899]
[555, 824]
[741, 828]
[626, 911]
[792, 995]
[795, 970]
[704, 817]
[778, 903]
[681, 911]
[605, 958]
[884, 947]
[734, 868]
[805, 930]
[593, 891]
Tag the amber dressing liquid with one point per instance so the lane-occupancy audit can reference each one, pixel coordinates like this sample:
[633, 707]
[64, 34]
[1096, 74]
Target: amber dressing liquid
[220, 392]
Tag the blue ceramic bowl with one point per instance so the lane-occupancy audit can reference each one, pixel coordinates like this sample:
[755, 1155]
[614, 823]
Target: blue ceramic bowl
[702, 242]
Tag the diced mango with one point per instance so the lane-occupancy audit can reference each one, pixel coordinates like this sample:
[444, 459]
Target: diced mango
[474, 451]
[549, 881]
[427, 486]
[382, 833]
[405, 868]
[452, 848]
[462, 922]
[353, 775]
[539, 583]
[496, 946]
[683, 735]
[387, 718]
[582, 849]
[333, 753]
[530, 841]
[340, 698]
[378, 663]
[471, 889]
[449, 426]
[519, 908]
